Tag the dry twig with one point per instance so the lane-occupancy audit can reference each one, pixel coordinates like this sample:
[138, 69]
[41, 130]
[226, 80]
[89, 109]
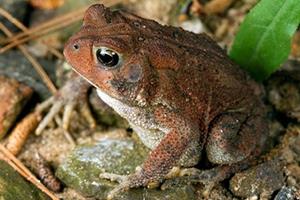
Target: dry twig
[20, 133]
[33, 61]
[42, 29]
[43, 170]
[51, 25]
[19, 24]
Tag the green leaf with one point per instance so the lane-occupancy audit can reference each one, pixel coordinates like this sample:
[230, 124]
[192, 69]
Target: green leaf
[263, 42]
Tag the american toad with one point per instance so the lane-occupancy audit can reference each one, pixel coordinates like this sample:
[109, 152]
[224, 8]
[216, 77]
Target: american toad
[179, 91]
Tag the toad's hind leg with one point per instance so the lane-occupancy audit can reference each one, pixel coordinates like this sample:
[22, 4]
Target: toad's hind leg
[234, 137]
[233, 142]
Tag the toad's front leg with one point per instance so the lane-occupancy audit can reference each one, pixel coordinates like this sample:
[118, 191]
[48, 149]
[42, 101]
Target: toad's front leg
[181, 133]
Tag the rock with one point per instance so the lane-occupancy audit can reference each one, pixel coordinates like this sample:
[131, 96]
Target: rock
[293, 137]
[14, 187]
[285, 193]
[292, 171]
[217, 193]
[14, 65]
[13, 96]
[71, 194]
[82, 168]
[120, 156]
[263, 178]
[288, 150]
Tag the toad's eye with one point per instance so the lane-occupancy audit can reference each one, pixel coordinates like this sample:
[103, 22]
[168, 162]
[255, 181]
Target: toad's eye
[107, 58]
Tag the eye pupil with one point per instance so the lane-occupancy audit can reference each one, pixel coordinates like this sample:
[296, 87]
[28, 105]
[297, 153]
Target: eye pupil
[107, 57]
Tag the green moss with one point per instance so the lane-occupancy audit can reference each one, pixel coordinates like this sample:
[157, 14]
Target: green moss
[14, 187]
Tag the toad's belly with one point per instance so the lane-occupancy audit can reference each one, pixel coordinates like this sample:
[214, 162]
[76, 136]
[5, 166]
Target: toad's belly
[150, 137]
[141, 121]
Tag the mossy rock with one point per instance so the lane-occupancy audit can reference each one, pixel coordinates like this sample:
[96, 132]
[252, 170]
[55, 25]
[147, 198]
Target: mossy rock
[14, 187]
[119, 156]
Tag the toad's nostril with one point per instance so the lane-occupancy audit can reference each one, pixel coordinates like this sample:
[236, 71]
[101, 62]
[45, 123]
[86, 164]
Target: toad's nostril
[76, 46]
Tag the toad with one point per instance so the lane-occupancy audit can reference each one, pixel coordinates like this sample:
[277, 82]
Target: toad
[181, 94]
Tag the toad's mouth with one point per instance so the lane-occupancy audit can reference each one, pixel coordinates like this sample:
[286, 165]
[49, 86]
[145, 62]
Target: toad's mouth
[98, 89]
[84, 78]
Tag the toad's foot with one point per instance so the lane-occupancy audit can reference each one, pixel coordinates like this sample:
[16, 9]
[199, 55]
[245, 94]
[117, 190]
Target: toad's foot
[123, 180]
[124, 185]
[193, 176]
[186, 176]
[71, 96]
[126, 182]
[206, 177]
[113, 177]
